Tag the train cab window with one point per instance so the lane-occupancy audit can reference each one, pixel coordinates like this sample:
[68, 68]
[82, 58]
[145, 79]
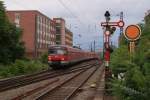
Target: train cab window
[57, 51]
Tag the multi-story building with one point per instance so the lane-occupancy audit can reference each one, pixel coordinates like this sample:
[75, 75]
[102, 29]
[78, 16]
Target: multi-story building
[63, 35]
[68, 37]
[39, 31]
[60, 31]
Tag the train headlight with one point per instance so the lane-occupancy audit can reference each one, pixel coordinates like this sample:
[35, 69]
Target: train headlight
[49, 58]
[62, 58]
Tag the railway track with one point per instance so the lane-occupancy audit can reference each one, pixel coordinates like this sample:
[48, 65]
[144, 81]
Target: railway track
[69, 88]
[29, 79]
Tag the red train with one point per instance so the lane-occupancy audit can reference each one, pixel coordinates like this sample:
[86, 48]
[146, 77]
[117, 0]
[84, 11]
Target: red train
[60, 56]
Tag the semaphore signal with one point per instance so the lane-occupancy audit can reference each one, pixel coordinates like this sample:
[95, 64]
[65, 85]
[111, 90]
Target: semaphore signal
[110, 28]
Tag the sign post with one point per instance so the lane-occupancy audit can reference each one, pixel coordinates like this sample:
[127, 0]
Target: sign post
[132, 33]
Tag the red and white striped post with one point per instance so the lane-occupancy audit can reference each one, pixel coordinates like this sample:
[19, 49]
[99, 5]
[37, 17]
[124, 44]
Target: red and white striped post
[107, 52]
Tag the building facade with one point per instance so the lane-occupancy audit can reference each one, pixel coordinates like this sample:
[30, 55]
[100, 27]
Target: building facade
[68, 37]
[39, 31]
[60, 31]
[63, 35]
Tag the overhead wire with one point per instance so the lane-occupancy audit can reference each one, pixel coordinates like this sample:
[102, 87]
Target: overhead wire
[68, 9]
[90, 27]
[62, 3]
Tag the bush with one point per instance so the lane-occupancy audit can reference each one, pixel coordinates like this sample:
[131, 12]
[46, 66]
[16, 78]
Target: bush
[135, 84]
[21, 67]
[44, 58]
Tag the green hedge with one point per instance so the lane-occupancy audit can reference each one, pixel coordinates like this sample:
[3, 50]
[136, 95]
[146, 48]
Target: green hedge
[21, 67]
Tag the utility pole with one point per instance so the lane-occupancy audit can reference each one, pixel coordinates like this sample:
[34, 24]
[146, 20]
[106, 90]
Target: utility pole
[121, 18]
[91, 47]
[121, 28]
[94, 45]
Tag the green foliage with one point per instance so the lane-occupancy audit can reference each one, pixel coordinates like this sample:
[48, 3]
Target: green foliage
[123, 40]
[11, 48]
[44, 58]
[135, 84]
[121, 55]
[21, 67]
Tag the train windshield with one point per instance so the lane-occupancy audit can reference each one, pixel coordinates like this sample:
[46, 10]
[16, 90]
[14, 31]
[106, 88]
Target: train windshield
[57, 51]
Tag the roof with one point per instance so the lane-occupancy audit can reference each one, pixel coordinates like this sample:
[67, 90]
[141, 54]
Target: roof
[35, 11]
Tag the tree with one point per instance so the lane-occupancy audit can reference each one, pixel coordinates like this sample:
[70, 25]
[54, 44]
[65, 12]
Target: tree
[11, 48]
[135, 84]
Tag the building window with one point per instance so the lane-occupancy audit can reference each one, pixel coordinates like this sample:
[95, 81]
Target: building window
[58, 30]
[17, 16]
[40, 19]
[17, 19]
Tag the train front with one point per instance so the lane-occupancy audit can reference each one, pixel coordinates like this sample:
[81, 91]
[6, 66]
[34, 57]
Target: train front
[57, 57]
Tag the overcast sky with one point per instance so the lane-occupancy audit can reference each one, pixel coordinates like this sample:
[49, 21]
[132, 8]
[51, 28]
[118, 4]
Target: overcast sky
[84, 16]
